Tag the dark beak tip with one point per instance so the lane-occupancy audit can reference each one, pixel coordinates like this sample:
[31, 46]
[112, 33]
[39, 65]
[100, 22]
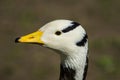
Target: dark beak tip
[17, 40]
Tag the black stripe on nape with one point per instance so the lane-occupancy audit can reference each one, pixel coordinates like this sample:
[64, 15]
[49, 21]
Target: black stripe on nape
[83, 41]
[71, 27]
[85, 69]
[66, 73]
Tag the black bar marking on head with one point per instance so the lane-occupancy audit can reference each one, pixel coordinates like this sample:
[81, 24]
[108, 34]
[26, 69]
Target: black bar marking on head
[69, 28]
[67, 73]
[85, 69]
[83, 41]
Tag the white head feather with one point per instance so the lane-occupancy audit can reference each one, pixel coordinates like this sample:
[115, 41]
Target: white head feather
[66, 42]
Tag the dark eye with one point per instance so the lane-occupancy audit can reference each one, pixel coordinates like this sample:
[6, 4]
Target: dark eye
[58, 33]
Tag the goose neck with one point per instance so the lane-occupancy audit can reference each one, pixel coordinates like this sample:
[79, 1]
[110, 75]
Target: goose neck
[73, 67]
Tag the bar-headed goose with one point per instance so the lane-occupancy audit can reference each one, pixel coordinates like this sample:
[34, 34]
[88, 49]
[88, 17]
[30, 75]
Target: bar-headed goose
[70, 40]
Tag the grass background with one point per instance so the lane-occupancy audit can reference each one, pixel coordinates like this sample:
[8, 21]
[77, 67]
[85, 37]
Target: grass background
[100, 18]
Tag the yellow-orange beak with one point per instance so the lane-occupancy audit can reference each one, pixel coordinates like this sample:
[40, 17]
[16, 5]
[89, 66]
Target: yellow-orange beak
[34, 37]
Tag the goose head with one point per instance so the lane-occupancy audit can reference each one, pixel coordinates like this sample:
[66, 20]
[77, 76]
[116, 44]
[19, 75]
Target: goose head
[67, 37]
[62, 35]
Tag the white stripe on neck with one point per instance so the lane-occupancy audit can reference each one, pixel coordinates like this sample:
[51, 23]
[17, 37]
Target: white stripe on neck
[76, 61]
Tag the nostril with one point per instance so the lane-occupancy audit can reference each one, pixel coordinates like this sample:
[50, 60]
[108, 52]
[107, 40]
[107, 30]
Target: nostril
[31, 37]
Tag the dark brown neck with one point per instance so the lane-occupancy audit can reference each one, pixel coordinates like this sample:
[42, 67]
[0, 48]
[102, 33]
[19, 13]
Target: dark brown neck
[67, 73]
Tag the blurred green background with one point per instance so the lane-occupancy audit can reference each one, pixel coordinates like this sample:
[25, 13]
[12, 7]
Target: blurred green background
[100, 18]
